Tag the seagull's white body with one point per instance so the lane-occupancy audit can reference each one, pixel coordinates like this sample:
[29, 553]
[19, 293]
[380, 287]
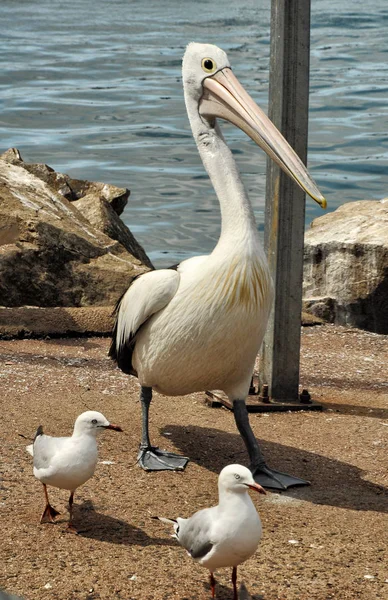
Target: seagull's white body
[233, 526]
[68, 462]
[65, 462]
[228, 534]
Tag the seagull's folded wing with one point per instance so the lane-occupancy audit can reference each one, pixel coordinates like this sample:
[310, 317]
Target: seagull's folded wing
[46, 448]
[195, 533]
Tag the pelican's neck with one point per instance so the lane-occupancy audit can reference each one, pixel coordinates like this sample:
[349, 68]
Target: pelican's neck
[238, 223]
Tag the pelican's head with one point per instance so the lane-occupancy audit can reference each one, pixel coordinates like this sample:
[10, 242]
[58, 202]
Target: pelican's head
[215, 91]
[199, 62]
[92, 422]
[237, 479]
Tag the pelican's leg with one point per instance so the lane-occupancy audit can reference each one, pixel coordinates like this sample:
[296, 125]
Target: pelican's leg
[49, 512]
[151, 458]
[263, 474]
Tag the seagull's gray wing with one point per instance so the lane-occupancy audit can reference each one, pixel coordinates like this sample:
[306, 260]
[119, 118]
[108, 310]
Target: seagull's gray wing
[45, 448]
[195, 533]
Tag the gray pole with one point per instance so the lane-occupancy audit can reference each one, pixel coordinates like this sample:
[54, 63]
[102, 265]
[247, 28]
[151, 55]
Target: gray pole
[285, 201]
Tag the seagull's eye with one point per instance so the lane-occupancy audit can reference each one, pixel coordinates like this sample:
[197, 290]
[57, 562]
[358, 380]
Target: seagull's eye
[208, 65]
[94, 421]
[237, 476]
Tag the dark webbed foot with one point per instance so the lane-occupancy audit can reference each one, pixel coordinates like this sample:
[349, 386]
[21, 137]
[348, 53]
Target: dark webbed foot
[270, 478]
[262, 474]
[49, 514]
[154, 459]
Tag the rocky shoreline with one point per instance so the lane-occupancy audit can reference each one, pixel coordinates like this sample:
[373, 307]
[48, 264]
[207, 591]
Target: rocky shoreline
[66, 256]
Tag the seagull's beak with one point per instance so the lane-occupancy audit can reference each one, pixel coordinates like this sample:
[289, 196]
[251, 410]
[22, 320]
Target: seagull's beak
[114, 427]
[257, 487]
[224, 97]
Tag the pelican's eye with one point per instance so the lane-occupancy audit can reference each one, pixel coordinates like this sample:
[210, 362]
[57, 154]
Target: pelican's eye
[208, 65]
[94, 421]
[237, 476]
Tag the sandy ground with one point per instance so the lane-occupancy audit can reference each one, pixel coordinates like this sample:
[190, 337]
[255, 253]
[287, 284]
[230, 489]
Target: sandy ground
[320, 542]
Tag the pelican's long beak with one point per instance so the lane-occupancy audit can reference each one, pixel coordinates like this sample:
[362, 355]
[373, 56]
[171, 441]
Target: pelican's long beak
[224, 97]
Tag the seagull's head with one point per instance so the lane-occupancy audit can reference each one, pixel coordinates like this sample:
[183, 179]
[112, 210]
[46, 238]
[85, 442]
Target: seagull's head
[93, 422]
[237, 479]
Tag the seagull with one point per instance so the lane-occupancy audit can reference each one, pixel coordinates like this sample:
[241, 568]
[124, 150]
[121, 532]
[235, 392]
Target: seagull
[199, 325]
[68, 462]
[225, 535]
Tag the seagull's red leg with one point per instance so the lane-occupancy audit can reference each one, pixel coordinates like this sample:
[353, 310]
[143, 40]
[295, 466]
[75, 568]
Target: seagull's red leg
[234, 581]
[49, 512]
[212, 585]
[70, 526]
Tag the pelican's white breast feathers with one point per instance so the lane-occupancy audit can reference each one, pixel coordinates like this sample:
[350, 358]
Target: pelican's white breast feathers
[147, 295]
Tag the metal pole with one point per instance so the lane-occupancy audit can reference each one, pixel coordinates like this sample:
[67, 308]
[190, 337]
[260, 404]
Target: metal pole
[285, 202]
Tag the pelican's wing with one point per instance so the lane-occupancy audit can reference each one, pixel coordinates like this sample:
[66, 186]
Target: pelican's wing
[146, 295]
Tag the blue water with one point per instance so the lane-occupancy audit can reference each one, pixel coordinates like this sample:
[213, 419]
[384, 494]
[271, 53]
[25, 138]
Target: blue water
[93, 88]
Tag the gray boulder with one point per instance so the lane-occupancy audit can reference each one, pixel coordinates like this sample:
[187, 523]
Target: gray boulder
[346, 266]
[72, 189]
[50, 253]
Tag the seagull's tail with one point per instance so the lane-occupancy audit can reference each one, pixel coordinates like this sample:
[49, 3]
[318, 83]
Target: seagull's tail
[39, 432]
[173, 522]
[164, 520]
[30, 449]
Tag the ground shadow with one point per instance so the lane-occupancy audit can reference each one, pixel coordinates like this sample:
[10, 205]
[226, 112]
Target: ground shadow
[358, 411]
[77, 340]
[368, 383]
[333, 482]
[223, 592]
[97, 526]
[226, 593]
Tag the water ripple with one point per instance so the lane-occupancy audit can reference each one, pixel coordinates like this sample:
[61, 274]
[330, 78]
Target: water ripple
[94, 89]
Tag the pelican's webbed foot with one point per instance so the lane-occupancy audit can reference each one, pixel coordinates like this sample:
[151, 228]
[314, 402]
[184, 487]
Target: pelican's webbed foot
[154, 459]
[262, 474]
[270, 478]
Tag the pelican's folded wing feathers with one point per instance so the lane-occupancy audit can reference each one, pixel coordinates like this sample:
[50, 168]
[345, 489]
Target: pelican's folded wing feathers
[146, 295]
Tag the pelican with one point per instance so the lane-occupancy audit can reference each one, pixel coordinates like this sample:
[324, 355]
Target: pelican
[199, 326]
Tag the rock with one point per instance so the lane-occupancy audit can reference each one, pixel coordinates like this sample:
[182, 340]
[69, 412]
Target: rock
[99, 212]
[33, 321]
[12, 156]
[117, 197]
[72, 189]
[346, 266]
[50, 254]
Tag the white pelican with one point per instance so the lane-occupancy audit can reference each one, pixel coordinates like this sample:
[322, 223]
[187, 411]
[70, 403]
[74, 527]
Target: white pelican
[68, 462]
[199, 327]
[225, 535]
